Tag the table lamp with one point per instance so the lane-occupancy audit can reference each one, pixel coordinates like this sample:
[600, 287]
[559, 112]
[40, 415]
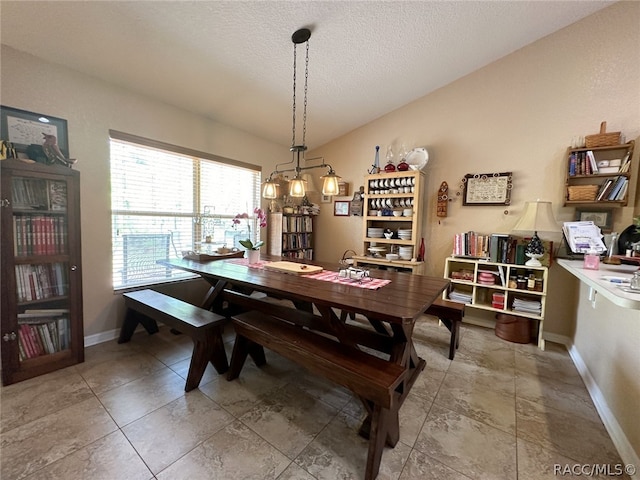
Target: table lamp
[537, 217]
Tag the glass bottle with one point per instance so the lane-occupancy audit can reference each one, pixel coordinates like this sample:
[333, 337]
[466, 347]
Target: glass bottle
[421, 251]
[389, 167]
[635, 281]
[613, 250]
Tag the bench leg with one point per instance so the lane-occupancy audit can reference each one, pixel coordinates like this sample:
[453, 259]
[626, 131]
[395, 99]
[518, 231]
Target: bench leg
[210, 350]
[454, 327]
[243, 347]
[131, 321]
[199, 360]
[377, 439]
[217, 357]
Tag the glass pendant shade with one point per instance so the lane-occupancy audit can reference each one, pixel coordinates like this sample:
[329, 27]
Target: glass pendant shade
[270, 190]
[296, 187]
[330, 184]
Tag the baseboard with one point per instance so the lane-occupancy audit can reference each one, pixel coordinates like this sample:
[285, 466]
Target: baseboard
[104, 337]
[620, 440]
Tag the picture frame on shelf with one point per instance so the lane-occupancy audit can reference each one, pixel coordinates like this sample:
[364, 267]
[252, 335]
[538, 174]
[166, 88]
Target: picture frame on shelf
[601, 218]
[341, 208]
[487, 188]
[23, 128]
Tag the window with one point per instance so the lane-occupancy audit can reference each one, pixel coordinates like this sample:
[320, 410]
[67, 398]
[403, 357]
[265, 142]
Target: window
[167, 199]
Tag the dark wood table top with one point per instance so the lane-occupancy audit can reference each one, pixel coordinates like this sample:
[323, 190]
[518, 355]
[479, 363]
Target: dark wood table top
[401, 301]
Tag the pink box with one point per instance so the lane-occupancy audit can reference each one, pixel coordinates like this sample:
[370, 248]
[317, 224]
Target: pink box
[591, 262]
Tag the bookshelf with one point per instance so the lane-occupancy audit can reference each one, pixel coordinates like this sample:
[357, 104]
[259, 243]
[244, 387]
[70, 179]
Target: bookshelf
[506, 288]
[290, 235]
[599, 175]
[41, 325]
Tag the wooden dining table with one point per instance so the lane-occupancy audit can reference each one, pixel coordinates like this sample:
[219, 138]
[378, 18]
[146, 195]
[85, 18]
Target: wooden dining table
[384, 317]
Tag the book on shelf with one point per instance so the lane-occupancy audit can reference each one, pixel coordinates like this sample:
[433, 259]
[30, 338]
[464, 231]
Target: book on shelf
[502, 248]
[470, 244]
[615, 189]
[625, 163]
[593, 165]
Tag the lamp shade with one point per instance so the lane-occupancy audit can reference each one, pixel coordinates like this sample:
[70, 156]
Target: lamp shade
[270, 190]
[296, 187]
[537, 217]
[330, 183]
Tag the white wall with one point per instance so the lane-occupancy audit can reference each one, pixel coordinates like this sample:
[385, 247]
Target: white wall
[91, 108]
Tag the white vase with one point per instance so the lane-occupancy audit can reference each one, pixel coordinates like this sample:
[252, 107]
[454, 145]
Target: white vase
[253, 256]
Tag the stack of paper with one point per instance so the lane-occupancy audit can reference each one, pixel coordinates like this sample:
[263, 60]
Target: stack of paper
[528, 306]
[583, 237]
[459, 296]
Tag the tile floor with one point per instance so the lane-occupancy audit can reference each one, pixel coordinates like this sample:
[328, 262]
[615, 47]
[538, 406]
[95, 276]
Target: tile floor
[498, 411]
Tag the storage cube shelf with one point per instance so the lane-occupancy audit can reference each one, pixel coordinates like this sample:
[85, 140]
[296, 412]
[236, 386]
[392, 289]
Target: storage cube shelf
[486, 286]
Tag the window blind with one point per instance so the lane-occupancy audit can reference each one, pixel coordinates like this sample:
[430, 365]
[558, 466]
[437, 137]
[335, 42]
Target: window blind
[167, 199]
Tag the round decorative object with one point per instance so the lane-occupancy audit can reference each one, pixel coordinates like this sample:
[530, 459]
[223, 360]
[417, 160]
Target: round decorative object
[389, 167]
[403, 166]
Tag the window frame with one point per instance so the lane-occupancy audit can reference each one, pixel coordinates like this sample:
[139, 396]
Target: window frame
[197, 212]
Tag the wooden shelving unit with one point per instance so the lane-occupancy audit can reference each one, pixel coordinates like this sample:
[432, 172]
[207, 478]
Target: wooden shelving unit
[577, 175]
[42, 328]
[394, 191]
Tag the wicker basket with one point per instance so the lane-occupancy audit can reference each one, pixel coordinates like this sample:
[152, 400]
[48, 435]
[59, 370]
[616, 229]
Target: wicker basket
[602, 139]
[584, 193]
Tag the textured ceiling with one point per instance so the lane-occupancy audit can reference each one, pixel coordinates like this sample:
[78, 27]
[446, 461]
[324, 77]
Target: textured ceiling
[232, 61]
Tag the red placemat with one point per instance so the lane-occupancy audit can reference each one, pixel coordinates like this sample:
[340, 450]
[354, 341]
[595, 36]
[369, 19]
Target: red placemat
[369, 283]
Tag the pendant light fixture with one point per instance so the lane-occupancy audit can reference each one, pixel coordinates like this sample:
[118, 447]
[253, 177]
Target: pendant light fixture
[297, 187]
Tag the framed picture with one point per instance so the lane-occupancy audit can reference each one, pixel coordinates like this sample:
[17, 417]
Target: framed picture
[325, 199]
[487, 188]
[341, 208]
[343, 189]
[22, 128]
[600, 218]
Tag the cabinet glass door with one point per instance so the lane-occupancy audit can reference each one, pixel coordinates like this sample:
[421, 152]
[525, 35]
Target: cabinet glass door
[41, 261]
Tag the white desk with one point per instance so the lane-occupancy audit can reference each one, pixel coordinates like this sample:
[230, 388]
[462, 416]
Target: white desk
[612, 291]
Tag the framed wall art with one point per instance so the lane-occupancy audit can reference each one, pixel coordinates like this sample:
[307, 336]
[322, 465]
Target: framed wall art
[487, 188]
[341, 208]
[23, 128]
[600, 218]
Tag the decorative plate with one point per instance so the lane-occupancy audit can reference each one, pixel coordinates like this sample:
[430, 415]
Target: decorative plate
[417, 158]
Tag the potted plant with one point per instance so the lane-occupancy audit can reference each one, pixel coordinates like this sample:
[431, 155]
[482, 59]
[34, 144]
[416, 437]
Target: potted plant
[253, 249]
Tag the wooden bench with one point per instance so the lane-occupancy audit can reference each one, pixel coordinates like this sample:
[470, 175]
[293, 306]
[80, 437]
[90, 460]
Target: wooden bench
[373, 379]
[450, 313]
[204, 327]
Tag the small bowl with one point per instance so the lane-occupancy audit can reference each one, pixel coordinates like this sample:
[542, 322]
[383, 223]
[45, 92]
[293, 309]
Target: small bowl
[407, 212]
[392, 256]
[397, 213]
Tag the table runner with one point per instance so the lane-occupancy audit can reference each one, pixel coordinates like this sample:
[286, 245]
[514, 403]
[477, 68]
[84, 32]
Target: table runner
[369, 283]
